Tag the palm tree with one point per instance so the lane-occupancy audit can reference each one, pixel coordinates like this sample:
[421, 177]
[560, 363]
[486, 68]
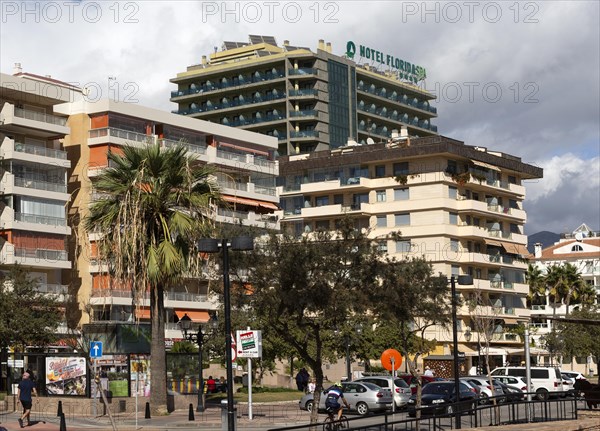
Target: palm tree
[537, 284]
[155, 202]
[575, 286]
[556, 285]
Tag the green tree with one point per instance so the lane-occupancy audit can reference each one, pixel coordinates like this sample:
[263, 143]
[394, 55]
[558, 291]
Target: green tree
[304, 289]
[154, 205]
[581, 339]
[27, 316]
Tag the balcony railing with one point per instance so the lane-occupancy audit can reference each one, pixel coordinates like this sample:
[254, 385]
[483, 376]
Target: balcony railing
[197, 149]
[304, 134]
[31, 183]
[410, 101]
[305, 113]
[40, 151]
[499, 209]
[55, 289]
[50, 255]
[246, 80]
[240, 215]
[270, 191]
[302, 71]
[39, 116]
[122, 134]
[423, 124]
[303, 92]
[499, 234]
[186, 297]
[39, 219]
[234, 103]
[250, 121]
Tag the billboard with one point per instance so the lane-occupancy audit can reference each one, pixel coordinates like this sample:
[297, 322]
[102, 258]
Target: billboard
[66, 375]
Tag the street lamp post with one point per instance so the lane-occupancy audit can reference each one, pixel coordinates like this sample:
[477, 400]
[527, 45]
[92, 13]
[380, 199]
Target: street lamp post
[358, 329]
[185, 323]
[462, 280]
[210, 245]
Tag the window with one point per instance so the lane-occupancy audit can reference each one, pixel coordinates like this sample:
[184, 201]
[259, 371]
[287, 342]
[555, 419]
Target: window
[453, 218]
[452, 168]
[514, 228]
[322, 225]
[454, 245]
[401, 194]
[381, 221]
[402, 219]
[382, 246]
[359, 198]
[452, 192]
[401, 168]
[379, 171]
[322, 200]
[403, 246]
[338, 199]
[380, 194]
[577, 247]
[455, 270]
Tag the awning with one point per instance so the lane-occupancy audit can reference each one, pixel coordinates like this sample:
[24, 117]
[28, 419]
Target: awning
[467, 350]
[485, 165]
[142, 313]
[195, 315]
[508, 321]
[269, 205]
[242, 149]
[250, 202]
[532, 351]
[493, 242]
[492, 351]
[519, 249]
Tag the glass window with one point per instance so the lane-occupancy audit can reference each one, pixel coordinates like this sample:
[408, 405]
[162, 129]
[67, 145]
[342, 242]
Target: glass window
[380, 171]
[403, 246]
[401, 168]
[514, 228]
[338, 199]
[453, 218]
[401, 194]
[322, 200]
[322, 225]
[452, 192]
[454, 245]
[381, 221]
[402, 219]
[382, 246]
[380, 195]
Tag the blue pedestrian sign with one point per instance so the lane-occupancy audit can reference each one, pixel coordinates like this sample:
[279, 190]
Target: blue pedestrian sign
[96, 349]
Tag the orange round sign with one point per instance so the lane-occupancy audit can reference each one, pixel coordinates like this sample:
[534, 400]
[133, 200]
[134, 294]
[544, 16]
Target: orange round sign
[390, 355]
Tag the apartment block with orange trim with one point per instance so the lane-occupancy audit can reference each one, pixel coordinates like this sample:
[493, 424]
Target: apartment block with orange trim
[33, 221]
[246, 172]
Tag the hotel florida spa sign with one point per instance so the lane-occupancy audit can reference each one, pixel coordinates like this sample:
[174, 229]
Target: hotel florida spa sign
[404, 69]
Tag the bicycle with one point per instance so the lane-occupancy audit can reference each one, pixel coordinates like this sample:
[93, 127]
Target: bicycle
[332, 424]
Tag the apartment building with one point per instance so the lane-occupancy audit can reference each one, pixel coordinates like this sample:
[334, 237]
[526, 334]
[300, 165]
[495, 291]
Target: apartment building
[34, 167]
[311, 101]
[246, 173]
[580, 248]
[459, 206]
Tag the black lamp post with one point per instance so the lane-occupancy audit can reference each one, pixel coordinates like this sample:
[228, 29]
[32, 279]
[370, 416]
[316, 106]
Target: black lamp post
[209, 245]
[358, 329]
[185, 323]
[462, 280]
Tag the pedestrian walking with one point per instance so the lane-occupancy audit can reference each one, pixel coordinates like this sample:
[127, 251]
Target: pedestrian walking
[25, 389]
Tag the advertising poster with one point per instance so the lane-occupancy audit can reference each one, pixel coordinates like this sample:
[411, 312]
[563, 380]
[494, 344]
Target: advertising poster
[140, 375]
[66, 375]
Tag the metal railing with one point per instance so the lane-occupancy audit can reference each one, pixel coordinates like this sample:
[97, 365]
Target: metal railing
[40, 116]
[42, 254]
[38, 219]
[122, 134]
[40, 151]
[246, 80]
[32, 183]
[192, 148]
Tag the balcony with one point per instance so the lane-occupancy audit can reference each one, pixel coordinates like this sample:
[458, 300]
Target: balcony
[398, 98]
[303, 92]
[37, 258]
[304, 134]
[40, 219]
[302, 71]
[245, 82]
[253, 121]
[303, 113]
[30, 182]
[192, 148]
[118, 136]
[249, 100]
[29, 122]
[33, 153]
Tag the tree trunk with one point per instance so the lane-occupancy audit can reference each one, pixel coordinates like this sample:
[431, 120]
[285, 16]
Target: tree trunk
[158, 362]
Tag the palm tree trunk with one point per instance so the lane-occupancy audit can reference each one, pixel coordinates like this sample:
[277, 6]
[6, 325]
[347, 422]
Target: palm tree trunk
[158, 360]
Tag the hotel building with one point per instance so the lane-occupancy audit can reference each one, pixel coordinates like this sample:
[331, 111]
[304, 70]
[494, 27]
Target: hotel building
[580, 248]
[459, 206]
[33, 221]
[245, 170]
[309, 101]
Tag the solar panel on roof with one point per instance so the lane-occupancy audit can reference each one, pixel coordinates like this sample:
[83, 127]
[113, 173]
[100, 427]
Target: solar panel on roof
[270, 40]
[263, 53]
[232, 45]
[255, 39]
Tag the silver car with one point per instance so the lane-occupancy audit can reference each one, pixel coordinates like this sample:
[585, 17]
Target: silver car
[362, 397]
[402, 391]
[482, 385]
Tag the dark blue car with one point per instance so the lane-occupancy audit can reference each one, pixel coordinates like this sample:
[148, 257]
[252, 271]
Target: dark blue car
[439, 398]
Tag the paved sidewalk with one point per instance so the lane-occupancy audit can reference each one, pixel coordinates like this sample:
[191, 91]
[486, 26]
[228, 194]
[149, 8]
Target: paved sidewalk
[265, 416]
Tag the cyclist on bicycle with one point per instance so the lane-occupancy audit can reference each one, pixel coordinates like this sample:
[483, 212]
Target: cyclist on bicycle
[332, 400]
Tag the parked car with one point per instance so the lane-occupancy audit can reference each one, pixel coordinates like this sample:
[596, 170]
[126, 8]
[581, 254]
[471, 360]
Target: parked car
[439, 398]
[573, 375]
[547, 380]
[412, 382]
[514, 382]
[402, 391]
[482, 385]
[512, 394]
[363, 397]
[568, 384]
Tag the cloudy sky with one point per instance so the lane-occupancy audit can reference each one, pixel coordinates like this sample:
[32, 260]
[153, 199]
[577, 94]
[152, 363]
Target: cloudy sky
[517, 77]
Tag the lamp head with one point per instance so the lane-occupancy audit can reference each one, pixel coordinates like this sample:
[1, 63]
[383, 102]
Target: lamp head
[185, 323]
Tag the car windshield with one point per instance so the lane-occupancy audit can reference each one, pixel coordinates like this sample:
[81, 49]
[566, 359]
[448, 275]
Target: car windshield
[401, 383]
[437, 388]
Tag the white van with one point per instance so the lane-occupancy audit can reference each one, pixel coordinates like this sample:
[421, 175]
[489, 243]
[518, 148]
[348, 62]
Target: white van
[546, 380]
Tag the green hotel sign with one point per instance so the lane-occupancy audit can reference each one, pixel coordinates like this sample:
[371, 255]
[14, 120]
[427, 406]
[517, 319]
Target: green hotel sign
[405, 70]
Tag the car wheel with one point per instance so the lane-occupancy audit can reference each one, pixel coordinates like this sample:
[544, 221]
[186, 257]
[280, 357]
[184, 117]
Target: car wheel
[362, 409]
[542, 394]
[484, 398]
[309, 405]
